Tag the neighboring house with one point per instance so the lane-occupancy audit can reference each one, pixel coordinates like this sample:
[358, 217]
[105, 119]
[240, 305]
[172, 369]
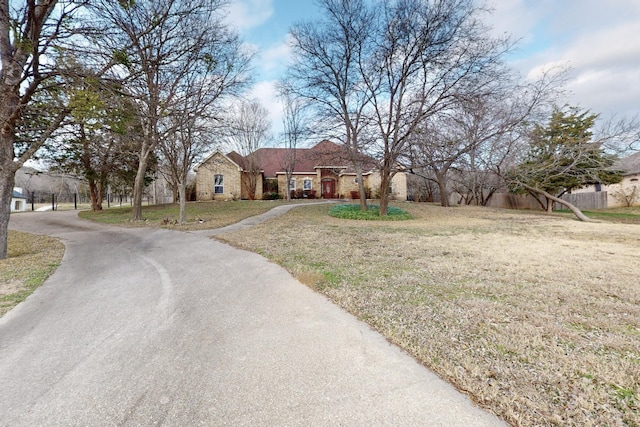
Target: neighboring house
[630, 166]
[18, 200]
[320, 171]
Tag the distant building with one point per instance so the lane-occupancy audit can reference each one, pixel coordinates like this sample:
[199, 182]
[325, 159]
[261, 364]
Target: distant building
[630, 167]
[18, 200]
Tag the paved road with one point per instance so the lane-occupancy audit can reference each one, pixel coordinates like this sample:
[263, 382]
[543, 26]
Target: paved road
[158, 327]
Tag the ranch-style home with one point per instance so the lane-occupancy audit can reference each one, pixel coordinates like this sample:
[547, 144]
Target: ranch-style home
[630, 167]
[322, 171]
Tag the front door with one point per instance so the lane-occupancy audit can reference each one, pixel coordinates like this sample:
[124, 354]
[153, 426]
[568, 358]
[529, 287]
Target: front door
[328, 189]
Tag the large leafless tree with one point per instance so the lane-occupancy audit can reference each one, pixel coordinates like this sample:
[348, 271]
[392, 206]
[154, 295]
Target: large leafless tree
[382, 68]
[194, 123]
[248, 127]
[296, 128]
[153, 46]
[33, 37]
[429, 54]
[479, 134]
[329, 54]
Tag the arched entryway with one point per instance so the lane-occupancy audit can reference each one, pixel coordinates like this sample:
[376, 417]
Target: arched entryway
[328, 188]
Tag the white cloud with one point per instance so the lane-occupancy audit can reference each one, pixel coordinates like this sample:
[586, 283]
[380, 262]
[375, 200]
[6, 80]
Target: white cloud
[265, 93]
[277, 57]
[598, 41]
[245, 14]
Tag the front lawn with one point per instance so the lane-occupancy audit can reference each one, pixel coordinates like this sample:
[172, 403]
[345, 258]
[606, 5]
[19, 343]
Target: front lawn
[536, 317]
[200, 215]
[30, 260]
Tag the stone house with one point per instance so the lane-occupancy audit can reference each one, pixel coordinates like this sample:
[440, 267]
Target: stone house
[322, 171]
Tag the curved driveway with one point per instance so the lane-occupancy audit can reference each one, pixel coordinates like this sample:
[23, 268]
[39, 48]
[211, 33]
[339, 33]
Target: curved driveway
[159, 327]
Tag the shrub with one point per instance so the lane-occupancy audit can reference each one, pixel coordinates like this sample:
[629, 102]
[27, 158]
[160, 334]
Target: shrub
[352, 211]
[271, 196]
[627, 196]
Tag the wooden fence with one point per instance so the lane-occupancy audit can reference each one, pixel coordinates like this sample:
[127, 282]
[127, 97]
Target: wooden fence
[513, 201]
[594, 200]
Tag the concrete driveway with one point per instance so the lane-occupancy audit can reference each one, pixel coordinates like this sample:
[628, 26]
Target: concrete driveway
[159, 327]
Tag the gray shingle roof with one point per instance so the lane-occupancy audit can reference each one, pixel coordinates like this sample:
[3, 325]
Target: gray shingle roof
[630, 164]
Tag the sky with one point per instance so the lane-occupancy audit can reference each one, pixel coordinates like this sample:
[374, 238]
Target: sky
[598, 40]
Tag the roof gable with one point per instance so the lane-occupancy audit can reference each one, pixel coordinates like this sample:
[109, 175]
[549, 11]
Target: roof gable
[229, 158]
[324, 154]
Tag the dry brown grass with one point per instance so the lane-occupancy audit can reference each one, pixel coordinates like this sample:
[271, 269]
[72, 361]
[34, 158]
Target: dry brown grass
[537, 318]
[31, 259]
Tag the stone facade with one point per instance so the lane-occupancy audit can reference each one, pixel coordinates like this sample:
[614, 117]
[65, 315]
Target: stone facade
[218, 164]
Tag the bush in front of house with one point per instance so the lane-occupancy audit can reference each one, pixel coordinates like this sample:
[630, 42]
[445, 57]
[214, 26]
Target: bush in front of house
[303, 194]
[352, 211]
[271, 196]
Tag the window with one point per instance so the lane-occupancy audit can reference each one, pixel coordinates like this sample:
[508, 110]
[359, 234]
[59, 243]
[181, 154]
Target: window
[218, 184]
[292, 184]
[598, 187]
[307, 184]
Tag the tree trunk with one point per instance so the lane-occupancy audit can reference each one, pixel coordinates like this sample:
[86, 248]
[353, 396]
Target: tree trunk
[361, 189]
[7, 180]
[289, 176]
[182, 190]
[138, 189]
[95, 193]
[175, 191]
[385, 180]
[444, 193]
[10, 103]
[576, 211]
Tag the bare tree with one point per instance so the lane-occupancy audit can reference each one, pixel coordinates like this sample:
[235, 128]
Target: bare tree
[194, 122]
[479, 134]
[29, 32]
[152, 46]
[296, 129]
[428, 53]
[329, 54]
[248, 126]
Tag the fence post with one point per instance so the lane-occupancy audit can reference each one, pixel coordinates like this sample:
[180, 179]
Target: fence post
[33, 198]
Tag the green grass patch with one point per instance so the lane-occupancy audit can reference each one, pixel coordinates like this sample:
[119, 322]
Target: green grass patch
[618, 215]
[200, 215]
[353, 211]
[31, 260]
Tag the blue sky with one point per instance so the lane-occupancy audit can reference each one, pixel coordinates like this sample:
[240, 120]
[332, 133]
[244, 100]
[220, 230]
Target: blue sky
[599, 41]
